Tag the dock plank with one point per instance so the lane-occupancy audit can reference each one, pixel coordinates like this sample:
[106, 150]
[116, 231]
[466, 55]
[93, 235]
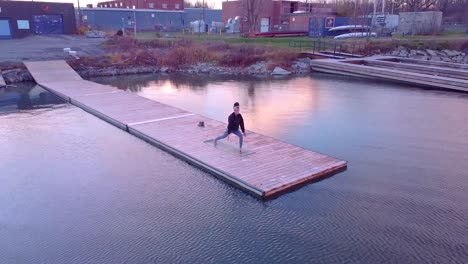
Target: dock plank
[272, 167]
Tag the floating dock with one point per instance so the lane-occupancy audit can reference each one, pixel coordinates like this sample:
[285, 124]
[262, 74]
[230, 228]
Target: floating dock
[418, 72]
[267, 167]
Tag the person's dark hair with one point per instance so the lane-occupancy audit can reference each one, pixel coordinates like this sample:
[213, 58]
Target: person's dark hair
[236, 104]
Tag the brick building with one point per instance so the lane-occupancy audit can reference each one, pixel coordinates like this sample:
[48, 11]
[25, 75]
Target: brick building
[20, 19]
[279, 15]
[144, 4]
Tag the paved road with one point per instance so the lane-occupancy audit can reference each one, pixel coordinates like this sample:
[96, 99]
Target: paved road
[47, 47]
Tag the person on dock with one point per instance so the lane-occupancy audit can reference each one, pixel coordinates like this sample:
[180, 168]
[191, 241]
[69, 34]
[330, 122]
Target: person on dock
[234, 121]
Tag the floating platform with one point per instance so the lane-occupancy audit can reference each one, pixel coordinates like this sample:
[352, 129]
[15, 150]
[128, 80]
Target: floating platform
[267, 167]
[436, 75]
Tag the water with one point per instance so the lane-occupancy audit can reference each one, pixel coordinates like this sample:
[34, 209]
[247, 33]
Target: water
[78, 190]
[26, 96]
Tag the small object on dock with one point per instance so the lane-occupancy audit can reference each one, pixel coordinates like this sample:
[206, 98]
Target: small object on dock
[201, 124]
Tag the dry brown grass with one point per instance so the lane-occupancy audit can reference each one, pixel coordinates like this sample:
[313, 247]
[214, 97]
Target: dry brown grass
[185, 51]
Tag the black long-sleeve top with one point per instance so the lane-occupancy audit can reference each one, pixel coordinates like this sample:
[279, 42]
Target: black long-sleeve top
[234, 121]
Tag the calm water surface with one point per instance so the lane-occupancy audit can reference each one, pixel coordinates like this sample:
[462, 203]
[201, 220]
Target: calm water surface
[77, 190]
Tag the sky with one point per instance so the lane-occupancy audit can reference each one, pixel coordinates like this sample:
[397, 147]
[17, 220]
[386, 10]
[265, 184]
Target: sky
[83, 3]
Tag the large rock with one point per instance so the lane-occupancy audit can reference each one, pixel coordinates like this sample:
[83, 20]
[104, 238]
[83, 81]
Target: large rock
[280, 71]
[452, 53]
[257, 68]
[403, 53]
[421, 53]
[446, 59]
[301, 66]
[431, 53]
[17, 75]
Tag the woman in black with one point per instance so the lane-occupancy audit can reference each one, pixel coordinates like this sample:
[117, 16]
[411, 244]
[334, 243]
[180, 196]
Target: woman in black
[234, 121]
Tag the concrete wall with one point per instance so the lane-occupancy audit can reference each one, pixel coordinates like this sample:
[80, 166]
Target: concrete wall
[420, 23]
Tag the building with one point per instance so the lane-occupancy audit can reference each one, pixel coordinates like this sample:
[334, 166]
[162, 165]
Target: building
[20, 19]
[144, 4]
[113, 19]
[278, 15]
[420, 23]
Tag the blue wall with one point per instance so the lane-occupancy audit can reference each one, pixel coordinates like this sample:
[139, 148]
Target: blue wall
[317, 27]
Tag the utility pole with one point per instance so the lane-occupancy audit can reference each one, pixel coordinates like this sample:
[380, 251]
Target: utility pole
[80, 17]
[203, 15]
[134, 24]
[373, 14]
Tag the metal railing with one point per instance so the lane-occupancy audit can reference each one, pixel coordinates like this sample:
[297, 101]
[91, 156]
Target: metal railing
[335, 47]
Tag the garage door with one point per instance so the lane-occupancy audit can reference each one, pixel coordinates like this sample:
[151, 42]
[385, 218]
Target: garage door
[5, 29]
[48, 24]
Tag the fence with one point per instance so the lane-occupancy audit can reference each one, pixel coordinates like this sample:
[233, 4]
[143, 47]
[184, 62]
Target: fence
[335, 47]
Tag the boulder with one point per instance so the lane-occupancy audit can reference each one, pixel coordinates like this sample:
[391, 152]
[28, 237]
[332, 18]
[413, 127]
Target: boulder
[431, 53]
[446, 59]
[395, 53]
[257, 68]
[280, 71]
[421, 53]
[451, 53]
[301, 67]
[403, 53]
[17, 75]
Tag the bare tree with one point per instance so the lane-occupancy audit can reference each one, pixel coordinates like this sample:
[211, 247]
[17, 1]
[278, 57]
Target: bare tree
[198, 4]
[252, 10]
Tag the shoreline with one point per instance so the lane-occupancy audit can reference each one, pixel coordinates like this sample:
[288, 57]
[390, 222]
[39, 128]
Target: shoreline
[19, 73]
[87, 67]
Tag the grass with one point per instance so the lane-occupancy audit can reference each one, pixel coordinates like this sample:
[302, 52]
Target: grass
[181, 52]
[282, 42]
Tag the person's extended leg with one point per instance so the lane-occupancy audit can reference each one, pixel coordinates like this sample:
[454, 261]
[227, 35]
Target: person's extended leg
[241, 138]
[226, 133]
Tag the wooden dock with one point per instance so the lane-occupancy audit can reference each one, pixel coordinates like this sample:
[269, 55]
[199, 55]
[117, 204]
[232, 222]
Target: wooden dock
[436, 75]
[268, 167]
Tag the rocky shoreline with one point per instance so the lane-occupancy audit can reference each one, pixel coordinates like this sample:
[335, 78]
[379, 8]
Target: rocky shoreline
[18, 73]
[300, 66]
[432, 55]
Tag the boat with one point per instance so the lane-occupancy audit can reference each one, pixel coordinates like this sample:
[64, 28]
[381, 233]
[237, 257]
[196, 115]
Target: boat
[356, 35]
[349, 27]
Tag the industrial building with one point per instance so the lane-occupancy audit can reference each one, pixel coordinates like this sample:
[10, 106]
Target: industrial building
[20, 19]
[278, 15]
[113, 19]
[144, 4]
